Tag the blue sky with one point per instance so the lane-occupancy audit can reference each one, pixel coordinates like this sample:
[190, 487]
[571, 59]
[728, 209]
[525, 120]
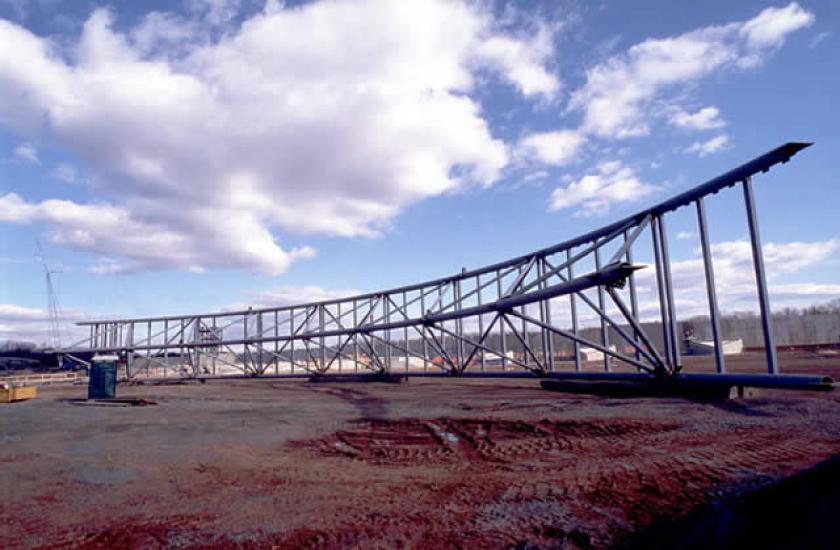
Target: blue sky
[174, 157]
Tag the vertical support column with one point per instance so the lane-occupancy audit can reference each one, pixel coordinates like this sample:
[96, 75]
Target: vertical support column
[570, 274]
[338, 344]
[386, 306]
[215, 347]
[129, 349]
[183, 366]
[276, 341]
[405, 331]
[548, 359]
[292, 341]
[425, 343]
[549, 334]
[634, 298]
[605, 329]
[371, 345]
[660, 287]
[148, 347]
[246, 349]
[322, 340]
[165, 349]
[669, 292]
[710, 283]
[760, 278]
[260, 359]
[480, 319]
[459, 323]
[355, 336]
[307, 342]
[502, 335]
[523, 311]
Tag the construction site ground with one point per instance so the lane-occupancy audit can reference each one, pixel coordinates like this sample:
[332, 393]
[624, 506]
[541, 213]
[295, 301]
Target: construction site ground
[428, 463]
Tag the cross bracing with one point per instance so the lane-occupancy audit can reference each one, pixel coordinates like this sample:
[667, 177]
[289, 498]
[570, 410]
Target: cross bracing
[499, 319]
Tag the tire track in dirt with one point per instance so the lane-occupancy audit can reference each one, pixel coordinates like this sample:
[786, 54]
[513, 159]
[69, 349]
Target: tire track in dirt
[614, 472]
[412, 441]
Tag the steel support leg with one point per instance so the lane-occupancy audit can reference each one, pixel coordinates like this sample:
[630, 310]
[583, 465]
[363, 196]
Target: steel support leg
[711, 291]
[760, 278]
[669, 293]
[605, 330]
[660, 287]
[570, 273]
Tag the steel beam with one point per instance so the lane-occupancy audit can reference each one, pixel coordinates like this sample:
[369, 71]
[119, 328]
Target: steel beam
[377, 324]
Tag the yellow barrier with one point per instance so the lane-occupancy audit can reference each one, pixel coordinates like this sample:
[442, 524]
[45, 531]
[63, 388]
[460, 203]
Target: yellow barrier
[18, 394]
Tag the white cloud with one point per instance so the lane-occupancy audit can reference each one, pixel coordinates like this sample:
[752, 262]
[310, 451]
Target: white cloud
[523, 61]
[557, 148]
[707, 118]
[26, 152]
[735, 277]
[11, 311]
[28, 324]
[619, 94]
[594, 193]
[215, 12]
[325, 118]
[818, 39]
[116, 232]
[287, 295]
[770, 28]
[164, 34]
[686, 235]
[705, 148]
[66, 173]
[534, 176]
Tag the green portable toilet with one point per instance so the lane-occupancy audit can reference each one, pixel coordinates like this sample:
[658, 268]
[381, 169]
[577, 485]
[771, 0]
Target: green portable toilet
[102, 382]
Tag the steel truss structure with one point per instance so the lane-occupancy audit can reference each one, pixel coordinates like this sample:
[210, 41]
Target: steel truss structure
[492, 321]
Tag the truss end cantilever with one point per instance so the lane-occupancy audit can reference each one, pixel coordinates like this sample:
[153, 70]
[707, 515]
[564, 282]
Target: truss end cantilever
[616, 274]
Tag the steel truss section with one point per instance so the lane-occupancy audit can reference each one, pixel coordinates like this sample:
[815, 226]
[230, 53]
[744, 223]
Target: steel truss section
[518, 317]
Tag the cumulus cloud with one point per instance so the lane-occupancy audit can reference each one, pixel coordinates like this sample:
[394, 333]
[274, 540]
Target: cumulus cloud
[618, 96]
[735, 277]
[707, 118]
[327, 118]
[26, 152]
[735, 282]
[705, 148]
[116, 232]
[557, 148]
[594, 193]
[215, 12]
[29, 324]
[770, 28]
[523, 62]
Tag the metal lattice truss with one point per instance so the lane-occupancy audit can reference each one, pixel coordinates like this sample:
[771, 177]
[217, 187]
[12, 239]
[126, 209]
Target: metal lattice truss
[496, 319]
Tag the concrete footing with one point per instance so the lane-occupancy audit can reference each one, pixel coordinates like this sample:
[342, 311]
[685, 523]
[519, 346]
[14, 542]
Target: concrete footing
[366, 377]
[652, 388]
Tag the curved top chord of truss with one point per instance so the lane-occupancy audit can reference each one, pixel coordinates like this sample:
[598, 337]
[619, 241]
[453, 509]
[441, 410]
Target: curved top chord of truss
[497, 316]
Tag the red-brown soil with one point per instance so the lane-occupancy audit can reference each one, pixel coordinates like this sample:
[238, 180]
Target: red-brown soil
[430, 463]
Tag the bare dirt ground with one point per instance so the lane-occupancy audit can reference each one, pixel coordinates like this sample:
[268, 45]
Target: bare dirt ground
[429, 463]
